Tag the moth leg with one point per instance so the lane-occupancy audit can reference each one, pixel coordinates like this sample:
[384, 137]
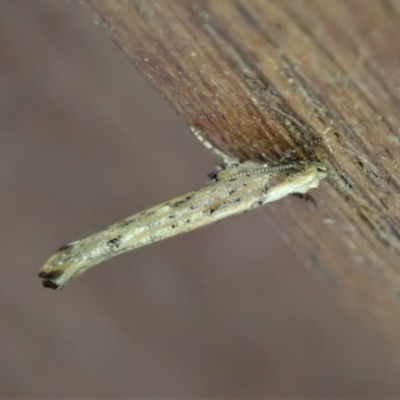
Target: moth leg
[227, 160]
[230, 166]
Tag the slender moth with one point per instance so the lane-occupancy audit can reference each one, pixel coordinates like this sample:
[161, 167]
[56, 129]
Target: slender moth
[236, 187]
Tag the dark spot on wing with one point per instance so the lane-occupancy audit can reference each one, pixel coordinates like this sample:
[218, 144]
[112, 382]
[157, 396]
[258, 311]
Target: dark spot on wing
[50, 284]
[65, 247]
[54, 274]
[178, 203]
[115, 242]
[125, 223]
[213, 176]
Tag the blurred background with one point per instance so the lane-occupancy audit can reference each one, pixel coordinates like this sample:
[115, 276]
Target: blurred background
[223, 311]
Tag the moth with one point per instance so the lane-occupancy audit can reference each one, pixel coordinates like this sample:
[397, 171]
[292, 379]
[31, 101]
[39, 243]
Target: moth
[236, 187]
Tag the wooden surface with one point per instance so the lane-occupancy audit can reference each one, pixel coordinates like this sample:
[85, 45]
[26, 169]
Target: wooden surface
[226, 311]
[265, 79]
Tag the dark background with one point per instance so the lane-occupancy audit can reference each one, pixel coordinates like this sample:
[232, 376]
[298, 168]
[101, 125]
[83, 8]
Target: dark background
[222, 311]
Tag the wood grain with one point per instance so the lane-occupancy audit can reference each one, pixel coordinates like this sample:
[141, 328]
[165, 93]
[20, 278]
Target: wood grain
[271, 79]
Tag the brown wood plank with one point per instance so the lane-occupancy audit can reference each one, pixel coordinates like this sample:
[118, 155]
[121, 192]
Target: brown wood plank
[308, 78]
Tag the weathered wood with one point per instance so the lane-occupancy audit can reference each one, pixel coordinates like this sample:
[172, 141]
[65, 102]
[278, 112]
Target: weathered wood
[266, 79]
